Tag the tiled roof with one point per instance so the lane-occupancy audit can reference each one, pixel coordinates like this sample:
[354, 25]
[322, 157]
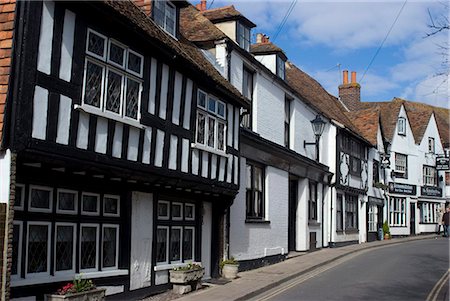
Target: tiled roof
[263, 48]
[367, 121]
[181, 47]
[317, 97]
[225, 13]
[197, 28]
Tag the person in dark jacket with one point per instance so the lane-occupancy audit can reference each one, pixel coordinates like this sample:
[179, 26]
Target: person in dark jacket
[446, 221]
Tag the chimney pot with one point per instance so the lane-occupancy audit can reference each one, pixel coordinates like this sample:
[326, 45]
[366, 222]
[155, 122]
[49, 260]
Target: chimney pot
[345, 77]
[203, 5]
[259, 38]
[353, 77]
[265, 39]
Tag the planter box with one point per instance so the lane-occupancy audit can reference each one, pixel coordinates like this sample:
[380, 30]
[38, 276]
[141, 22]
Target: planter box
[182, 277]
[92, 295]
[229, 271]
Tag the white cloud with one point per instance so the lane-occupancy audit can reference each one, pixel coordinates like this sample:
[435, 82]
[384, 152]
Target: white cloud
[434, 90]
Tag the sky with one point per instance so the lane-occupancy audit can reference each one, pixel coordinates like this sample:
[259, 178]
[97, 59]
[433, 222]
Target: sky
[323, 38]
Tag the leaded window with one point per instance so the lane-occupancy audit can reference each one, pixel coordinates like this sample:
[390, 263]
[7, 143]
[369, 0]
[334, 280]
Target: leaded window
[88, 247]
[90, 203]
[109, 247]
[165, 16]
[339, 213]
[175, 244]
[67, 201]
[113, 78]
[65, 247]
[16, 248]
[41, 199]
[255, 191]
[19, 198]
[211, 123]
[38, 248]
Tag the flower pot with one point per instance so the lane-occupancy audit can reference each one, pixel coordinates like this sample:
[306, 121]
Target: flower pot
[92, 295]
[229, 271]
[387, 236]
[181, 277]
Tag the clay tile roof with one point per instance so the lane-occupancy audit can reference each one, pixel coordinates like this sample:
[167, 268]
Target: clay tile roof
[182, 47]
[197, 28]
[226, 13]
[317, 97]
[266, 48]
[367, 121]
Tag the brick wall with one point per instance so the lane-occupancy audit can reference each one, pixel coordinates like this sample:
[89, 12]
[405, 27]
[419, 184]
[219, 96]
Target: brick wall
[145, 5]
[7, 8]
[350, 95]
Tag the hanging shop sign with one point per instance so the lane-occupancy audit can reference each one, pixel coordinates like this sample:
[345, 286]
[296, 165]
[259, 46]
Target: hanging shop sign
[402, 188]
[442, 163]
[431, 191]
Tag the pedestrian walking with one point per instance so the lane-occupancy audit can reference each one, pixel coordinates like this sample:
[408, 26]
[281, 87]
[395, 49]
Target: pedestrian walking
[440, 224]
[446, 221]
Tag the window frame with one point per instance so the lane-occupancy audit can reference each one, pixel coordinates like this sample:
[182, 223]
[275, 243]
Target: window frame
[177, 218]
[35, 209]
[398, 158]
[281, 67]
[163, 26]
[22, 200]
[287, 120]
[63, 211]
[193, 244]
[181, 228]
[242, 40]
[312, 203]
[397, 214]
[401, 126]
[351, 208]
[193, 212]
[431, 145]
[340, 212]
[167, 228]
[19, 251]
[372, 217]
[74, 248]
[111, 196]
[162, 217]
[105, 47]
[375, 171]
[116, 265]
[252, 216]
[97, 251]
[429, 176]
[38, 274]
[97, 213]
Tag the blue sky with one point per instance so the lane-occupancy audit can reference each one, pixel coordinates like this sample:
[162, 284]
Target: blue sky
[325, 37]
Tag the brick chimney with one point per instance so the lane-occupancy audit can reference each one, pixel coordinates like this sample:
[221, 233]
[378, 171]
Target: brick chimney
[145, 5]
[262, 39]
[350, 93]
[201, 6]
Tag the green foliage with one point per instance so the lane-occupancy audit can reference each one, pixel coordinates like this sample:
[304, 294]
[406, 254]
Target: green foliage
[82, 285]
[230, 260]
[386, 228]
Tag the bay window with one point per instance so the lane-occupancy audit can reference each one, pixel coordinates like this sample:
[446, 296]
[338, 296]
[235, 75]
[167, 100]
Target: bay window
[211, 122]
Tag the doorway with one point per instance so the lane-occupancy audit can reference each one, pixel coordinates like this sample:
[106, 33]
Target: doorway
[412, 219]
[292, 214]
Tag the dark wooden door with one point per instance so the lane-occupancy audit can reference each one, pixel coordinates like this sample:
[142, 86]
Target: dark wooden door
[293, 196]
[412, 219]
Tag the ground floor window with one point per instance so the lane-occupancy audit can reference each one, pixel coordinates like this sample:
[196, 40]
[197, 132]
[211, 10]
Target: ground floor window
[339, 220]
[373, 217]
[351, 212]
[429, 212]
[175, 232]
[312, 203]
[397, 212]
[64, 238]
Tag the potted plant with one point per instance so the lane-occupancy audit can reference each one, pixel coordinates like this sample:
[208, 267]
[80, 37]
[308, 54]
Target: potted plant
[386, 231]
[229, 268]
[78, 290]
[187, 278]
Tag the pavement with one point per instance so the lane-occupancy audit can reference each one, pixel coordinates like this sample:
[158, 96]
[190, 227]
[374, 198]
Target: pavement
[254, 282]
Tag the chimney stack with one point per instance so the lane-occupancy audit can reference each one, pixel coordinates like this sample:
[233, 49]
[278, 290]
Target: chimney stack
[350, 93]
[202, 5]
[262, 38]
[145, 5]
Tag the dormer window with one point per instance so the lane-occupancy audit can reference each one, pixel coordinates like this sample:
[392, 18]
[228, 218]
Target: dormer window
[243, 36]
[165, 16]
[280, 67]
[431, 145]
[401, 126]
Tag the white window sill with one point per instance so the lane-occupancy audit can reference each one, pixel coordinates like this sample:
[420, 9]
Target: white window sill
[15, 282]
[169, 266]
[98, 112]
[210, 150]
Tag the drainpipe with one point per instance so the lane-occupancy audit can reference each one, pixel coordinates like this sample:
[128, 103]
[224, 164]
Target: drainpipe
[323, 219]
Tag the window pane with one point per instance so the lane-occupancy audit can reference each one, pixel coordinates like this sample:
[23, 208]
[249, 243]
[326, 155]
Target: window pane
[37, 248]
[201, 128]
[64, 248]
[113, 92]
[18, 197]
[134, 62]
[15, 249]
[109, 247]
[189, 211]
[93, 84]
[249, 176]
[96, 44]
[221, 136]
[66, 200]
[161, 245]
[116, 54]
[132, 99]
[177, 210]
[211, 131]
[40, 198]
[212, 105]
[90, 203]
[175, 244]
[221, 109]
[88, 247]
[188, 241]
[111, 205]
[163, 209]
[257, 178]
[201, 102]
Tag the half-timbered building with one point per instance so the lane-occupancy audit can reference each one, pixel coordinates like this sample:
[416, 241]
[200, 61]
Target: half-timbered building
[121, 144]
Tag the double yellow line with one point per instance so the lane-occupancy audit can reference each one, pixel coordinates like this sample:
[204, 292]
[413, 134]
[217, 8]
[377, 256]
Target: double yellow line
[434, 294]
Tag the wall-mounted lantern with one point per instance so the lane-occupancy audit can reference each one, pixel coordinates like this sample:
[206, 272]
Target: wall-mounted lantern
[318, 125]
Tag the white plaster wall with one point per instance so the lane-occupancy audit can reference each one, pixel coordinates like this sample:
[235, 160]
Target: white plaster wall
[236, 72]
[269, 60]
[228, 28]
[5, 171]
[253, 240]
[221, 55]
[268, 103]
[362, 219]
[302, 230]
[206, 238]
[302, 129]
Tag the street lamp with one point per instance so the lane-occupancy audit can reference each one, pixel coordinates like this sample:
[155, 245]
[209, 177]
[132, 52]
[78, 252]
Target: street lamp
[318, 125]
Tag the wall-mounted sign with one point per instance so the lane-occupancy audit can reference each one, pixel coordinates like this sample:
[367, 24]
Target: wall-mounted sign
[443, 163]
[402, 188]
[430, 191]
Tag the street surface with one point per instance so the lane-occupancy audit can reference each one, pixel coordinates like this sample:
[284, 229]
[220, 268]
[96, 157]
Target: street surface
[410, 271]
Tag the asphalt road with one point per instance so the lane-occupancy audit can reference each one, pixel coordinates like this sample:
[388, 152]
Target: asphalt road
[408, 271]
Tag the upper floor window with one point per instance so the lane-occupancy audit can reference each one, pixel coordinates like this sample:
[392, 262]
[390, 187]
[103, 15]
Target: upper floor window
[211, 122]
[429, 176]
[112, 77]
[431, 145]
[255, 191]
[401, 165]
[280, 67]
[165, 16]
[287, 120]
[351, 211]
[376, 171]
[247, 91]
[312, 204]
[401, 125]
[243, 36]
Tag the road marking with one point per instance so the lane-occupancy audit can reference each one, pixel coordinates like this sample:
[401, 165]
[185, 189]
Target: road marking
[433, 295]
